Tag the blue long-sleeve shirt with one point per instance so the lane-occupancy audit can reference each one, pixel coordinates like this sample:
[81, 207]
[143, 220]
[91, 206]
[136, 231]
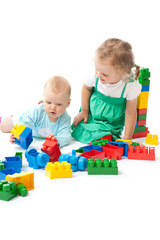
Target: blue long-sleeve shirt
[41, 126]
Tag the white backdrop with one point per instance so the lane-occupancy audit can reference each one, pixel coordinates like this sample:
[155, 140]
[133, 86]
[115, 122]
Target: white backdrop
[39, 39]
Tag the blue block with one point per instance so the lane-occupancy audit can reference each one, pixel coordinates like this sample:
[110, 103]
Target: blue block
[136, 124]
[145, 89]
[25, 138]
[5, 172]
[92, 147]
[13, 162]
[123, 145]
[77, 162]
[35, 159]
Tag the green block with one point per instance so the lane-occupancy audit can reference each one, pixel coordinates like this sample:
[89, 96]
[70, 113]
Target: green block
[140, 129]
[144, 77]
[1, 166]
[7, 190]
[145, 82]
[145, 73]
[22, 190]
[135, 144]
[141, 117]
[19, 154]
[104, 167]
[100, 142]
[80, 150]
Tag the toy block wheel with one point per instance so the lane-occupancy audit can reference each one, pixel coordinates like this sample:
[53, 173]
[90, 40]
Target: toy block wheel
[42, 159]
[82, 163]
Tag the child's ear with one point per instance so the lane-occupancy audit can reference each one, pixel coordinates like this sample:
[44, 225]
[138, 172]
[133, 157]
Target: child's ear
[69, 102]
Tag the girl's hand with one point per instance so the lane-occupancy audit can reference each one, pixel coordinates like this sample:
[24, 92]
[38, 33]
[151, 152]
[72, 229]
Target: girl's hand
[82, 115]
[12, 138]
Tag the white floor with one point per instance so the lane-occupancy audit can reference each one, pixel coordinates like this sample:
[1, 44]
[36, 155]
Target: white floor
[85, 207]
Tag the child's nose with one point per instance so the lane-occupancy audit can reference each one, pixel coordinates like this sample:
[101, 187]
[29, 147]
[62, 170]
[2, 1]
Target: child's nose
[53, 106]
[99, 75]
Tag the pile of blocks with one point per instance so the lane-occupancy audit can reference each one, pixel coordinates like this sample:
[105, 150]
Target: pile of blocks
[142, 102]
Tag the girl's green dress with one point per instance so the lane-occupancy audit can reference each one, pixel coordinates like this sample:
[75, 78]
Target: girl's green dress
[106, 116]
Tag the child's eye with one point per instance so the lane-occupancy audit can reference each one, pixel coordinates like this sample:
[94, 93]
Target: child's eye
[59, 104]
[48, 102]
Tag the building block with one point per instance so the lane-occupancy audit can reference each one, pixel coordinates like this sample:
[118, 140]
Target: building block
[94, 154]
[140, 129]
[141, 117]
[112, 151]
[36, 159]
[100, 142]
[135, 144]
[140, 134]
[1, 166]
[142, 100]
[25, 138]
[105, 167]
[22, 190]
[142, 111]
[19, 154]
[5, 172]
[145, 89]
[27, 178]
[91, 147]
[122, 144]
[124, 140]
[140, 123]
[13, 162]
[151, 139]
[50, 146]
[7, 190]
[144, 74]
[107, 137]
[58, 170]
[77, 162]
[143, 153]
[17, 130]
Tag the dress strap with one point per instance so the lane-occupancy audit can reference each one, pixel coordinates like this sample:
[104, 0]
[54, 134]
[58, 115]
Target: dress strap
[96, 83]
[132, 80]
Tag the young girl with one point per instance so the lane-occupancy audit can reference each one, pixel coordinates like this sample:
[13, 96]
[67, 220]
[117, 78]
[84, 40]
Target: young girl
[109, 96]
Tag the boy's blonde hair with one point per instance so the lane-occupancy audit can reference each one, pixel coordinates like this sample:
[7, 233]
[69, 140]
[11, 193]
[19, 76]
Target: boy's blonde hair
[59, 84]
[120, 53]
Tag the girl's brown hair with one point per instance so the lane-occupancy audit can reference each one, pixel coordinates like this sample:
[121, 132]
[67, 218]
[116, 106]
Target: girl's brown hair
[120, 53]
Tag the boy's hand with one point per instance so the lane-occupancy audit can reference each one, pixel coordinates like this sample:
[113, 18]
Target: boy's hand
[12, 138]
[82, 115]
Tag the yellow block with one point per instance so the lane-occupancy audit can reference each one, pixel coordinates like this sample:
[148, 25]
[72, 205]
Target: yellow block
[151, 139]
[124, 140]
[142, 100]
[58, 170]
[142, 105]
[27, 178]
[17, 130]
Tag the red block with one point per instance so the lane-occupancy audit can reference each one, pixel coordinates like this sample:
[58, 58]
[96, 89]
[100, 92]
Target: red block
[94, 154]
[112, 151]
[141, 123]
[108, 137]
[143, 153]
[50, 146]
[142, 111]
[140, 134]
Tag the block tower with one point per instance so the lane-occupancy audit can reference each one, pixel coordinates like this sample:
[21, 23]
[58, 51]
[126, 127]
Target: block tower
[142, 102]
